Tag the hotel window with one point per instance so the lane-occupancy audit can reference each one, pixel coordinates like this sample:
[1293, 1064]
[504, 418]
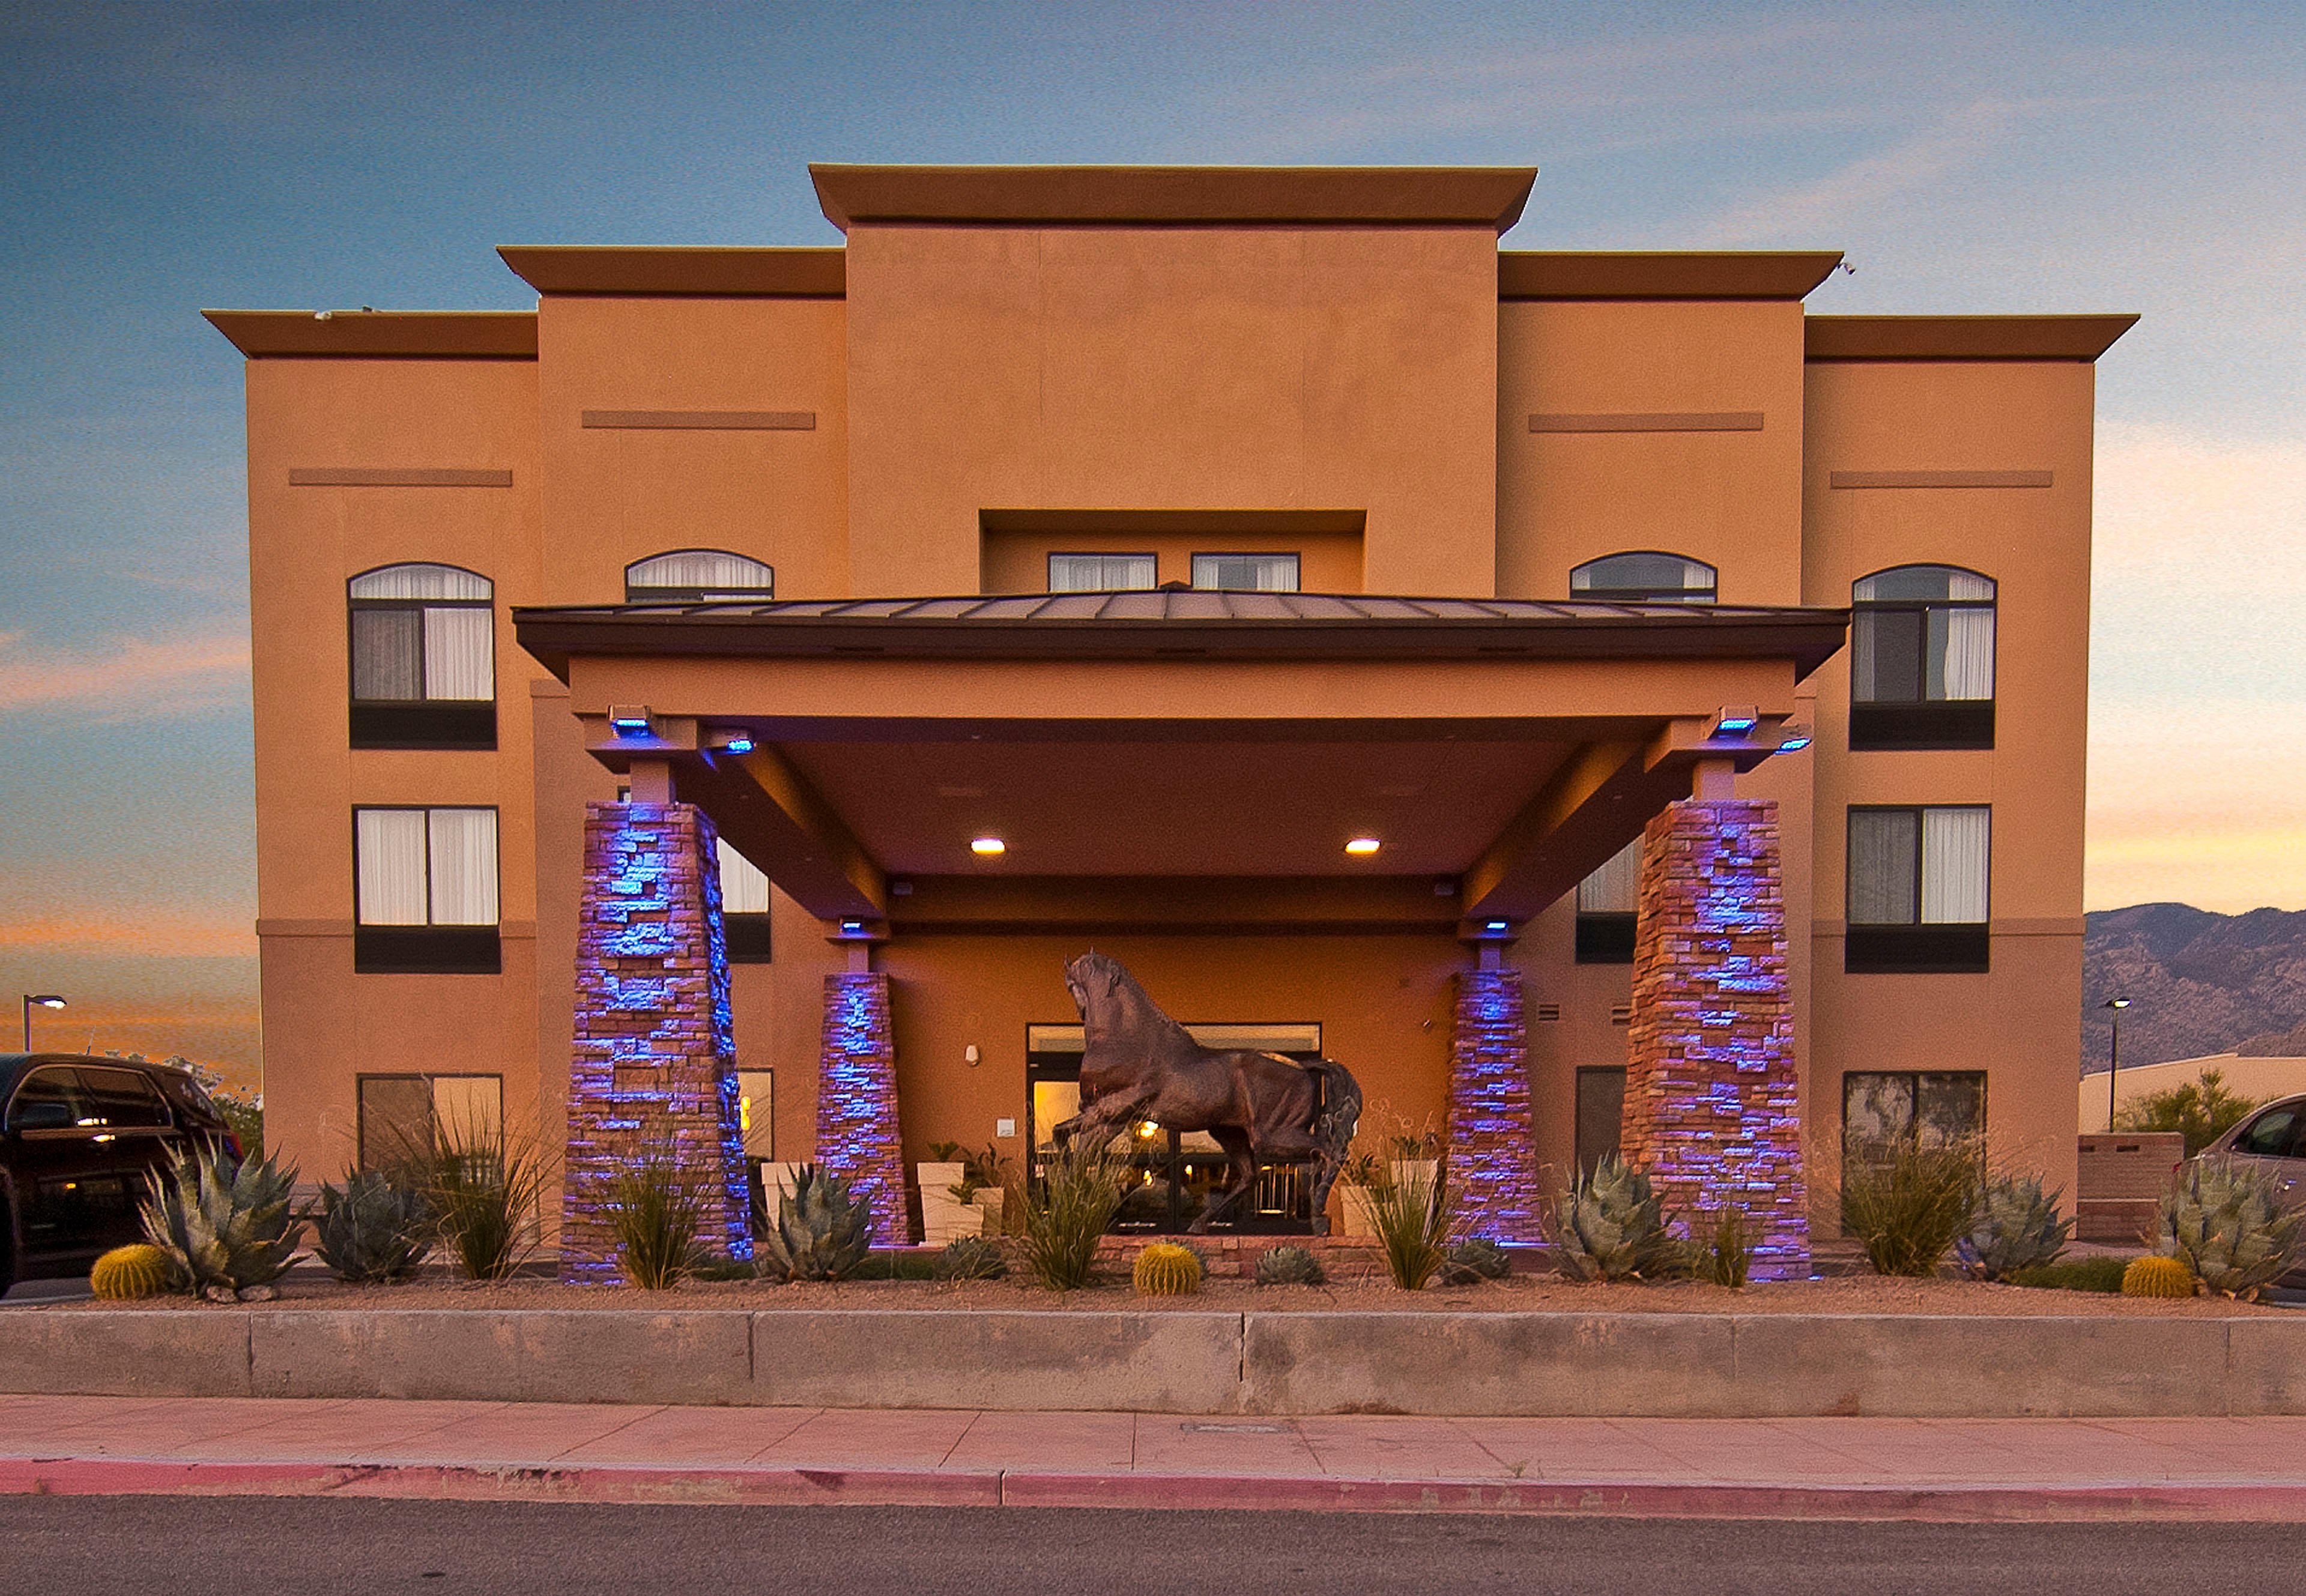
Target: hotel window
[1918, 887]
[425, 892]
[698, 577]
[1921, 658]
[402, 1118]
[744, 906]
[1101, 573]
[1606, 902]
[1884, 1111]
[423, 658]
[1246, 573]
[1645, 578]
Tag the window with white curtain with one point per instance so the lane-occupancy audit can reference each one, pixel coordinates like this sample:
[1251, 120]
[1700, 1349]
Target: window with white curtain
[1919, 881]
[423, 658]
[424, 867]
[1607, 901]
[1246, 573]
[1102, 572]
[698, 577]
[1921, 658]
[744, 906]
[1645, 577]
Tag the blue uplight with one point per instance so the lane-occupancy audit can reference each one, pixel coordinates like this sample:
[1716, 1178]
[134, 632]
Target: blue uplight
[1495, 927]
[1736, 725]
[739, 744]
[852, 927]
[629, 723]
[1794, 745]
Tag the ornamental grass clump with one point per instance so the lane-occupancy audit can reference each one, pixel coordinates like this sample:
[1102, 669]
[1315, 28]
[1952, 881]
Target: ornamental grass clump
[823, 1230]
[2223, 1220]
[373, 1229]
[658, 1220]
[1723, 1251]
[1404, 1209]
[1906, 1203]
[1611, 1225]
[485, 1189]
[2014, 1226]
[1062, 1221]
[972, 1258]
[224, 1224]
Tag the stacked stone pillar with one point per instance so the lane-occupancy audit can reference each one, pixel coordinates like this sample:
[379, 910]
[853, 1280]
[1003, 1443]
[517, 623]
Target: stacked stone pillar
[1712, 1099]
[1492, 1170]
[857, 1135]
[654, 1073]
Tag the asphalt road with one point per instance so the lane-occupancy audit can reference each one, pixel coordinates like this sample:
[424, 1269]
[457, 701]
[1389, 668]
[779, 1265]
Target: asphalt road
[184, 1546]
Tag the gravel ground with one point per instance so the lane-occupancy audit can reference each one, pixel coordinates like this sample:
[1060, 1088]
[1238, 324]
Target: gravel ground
[1861, 1293]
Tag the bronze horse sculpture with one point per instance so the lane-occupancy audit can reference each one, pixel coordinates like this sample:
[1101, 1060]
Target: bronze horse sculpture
[1140, 1064]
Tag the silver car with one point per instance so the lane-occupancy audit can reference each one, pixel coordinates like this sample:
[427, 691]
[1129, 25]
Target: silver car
[2274, 1138]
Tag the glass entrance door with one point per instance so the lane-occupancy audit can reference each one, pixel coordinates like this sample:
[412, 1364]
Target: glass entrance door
[1173, 1172]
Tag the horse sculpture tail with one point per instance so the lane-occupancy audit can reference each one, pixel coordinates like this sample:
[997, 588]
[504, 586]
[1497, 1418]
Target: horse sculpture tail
[1333, 1126]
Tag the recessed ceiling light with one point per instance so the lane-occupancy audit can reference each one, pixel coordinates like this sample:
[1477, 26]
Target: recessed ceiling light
[987, 846]
[1361, 848]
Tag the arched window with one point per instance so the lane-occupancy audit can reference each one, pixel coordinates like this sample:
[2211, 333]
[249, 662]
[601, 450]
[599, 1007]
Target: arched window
[423, 658]
[698, 577]
[1645, 577]
[1921, 658]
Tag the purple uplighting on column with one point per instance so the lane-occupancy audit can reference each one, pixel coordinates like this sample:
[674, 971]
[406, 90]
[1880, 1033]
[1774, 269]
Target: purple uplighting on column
[1492, 1185]
[857, 1132]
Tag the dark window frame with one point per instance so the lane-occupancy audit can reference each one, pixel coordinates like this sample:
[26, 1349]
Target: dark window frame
[431, 948]
[1296, 557]
[1606, 936]
[646, 593]
[422, 721]
[1921, 722]
[1649, 592]
[1915, 947]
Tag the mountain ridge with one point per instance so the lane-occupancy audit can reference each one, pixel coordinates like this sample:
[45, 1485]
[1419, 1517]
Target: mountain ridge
[2198, 982]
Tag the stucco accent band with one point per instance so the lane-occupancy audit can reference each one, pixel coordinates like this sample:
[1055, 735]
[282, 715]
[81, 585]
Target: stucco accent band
[857, 1135]
[1492, 1187]
[1712, 1106]
[393, 476]
[653, 1067]
[703, 421]
[1940, 479]
[1647, 420]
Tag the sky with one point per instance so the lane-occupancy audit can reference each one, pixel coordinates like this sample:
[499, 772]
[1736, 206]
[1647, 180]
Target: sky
[156, 159]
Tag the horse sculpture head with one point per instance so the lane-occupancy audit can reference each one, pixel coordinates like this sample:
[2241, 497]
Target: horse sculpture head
[1113, 1005]
[1093, 978]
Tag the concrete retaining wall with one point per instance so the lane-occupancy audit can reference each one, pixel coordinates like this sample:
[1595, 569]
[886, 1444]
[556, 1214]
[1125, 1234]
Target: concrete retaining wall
[1534, 1364]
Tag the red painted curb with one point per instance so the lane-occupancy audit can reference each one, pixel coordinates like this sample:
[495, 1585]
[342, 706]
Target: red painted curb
[928, 1488]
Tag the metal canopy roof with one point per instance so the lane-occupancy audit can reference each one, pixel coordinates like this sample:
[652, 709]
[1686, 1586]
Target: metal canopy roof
[1186, 623]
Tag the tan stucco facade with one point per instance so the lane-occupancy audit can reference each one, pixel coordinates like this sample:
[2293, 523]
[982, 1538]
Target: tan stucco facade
[1003, 364]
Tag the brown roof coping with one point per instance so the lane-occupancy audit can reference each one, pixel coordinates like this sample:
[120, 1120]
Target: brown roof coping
[370, 334]
[1173, 622]
[750, 273]
[1744, 274]
[1485, 196]
[1962, 337]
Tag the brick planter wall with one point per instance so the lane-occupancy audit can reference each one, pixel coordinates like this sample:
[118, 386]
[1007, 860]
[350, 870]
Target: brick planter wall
[1711, 1101]
[857, 1134]
[655, 1064]
[1492, 1170]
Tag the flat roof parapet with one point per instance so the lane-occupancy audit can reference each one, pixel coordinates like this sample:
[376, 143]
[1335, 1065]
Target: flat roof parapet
[815, 273]
[1962, 337]
[379, 334]
[1665, 274]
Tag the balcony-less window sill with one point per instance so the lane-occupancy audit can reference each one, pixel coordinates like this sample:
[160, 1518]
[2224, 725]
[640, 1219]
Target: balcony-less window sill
[1605, 938]
[427, 950]
[1916, 950]
[749, 938]
[437, 723]
[1939, 724]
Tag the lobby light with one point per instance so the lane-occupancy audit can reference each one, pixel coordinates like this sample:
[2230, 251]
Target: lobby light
[988, 846]
[1361, 848]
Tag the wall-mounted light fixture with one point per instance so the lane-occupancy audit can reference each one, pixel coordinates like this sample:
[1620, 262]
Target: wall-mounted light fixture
[629, 719]
[740, 743]
[1362, 847]
[988, 846]
[1794, 739]
[1736, 720]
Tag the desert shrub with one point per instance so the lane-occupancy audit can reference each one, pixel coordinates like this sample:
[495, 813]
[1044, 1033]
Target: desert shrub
[658, 1221]
[1291, 1266]
[2073, 1273]
[1474, 1260]
[1611, 1225]
[2014, 1226]
[1061, 1222]
[1908, 1202]
[485, 1188]
[373, 1229]
[907, 1264]
[972, 1258]
[2201, 1110]
[1404, 1208]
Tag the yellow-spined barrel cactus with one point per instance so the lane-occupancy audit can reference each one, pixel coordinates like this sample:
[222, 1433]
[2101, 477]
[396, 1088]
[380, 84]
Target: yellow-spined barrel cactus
[2157, 1277]
[127, 1273]
[1165, 1269]
[2225, 1220]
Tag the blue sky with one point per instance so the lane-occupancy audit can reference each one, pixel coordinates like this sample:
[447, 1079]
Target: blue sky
[157, 159]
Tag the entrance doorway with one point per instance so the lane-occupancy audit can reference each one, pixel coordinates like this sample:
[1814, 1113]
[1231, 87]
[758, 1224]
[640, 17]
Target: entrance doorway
[1173, 1172]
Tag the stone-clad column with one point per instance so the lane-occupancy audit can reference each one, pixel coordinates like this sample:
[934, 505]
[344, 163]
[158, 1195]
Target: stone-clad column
[654, 1066]
[1492, 1180]
[1712, 1108]
[856, 1100]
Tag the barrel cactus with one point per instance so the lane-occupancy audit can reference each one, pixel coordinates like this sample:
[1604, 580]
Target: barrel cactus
[822, 1231]
[2224, 1220]
[972, 1258]
[127, 1273]
[224, 1224]
[2014, 1226]
[371, 1229]
[1611, 1225]
[2157, 1277]
[1471, 1262]
[1165, 1269]
[1291, 1266]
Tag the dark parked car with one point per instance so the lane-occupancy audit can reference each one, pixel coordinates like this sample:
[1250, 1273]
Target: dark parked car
[78, 1137]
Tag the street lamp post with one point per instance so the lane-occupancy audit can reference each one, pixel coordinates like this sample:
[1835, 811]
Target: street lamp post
[2113, 1054]
[46, 1000]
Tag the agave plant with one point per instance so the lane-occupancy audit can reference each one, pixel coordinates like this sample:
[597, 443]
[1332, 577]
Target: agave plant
[2015, 1227]
[373, 1229]
[822, 1231]
[224, 1223]
[2223, 1220]
[1611, 1225]
[1473, 1260]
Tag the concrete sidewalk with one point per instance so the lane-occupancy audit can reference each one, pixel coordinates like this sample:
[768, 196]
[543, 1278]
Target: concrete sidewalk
[2011, 1468]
